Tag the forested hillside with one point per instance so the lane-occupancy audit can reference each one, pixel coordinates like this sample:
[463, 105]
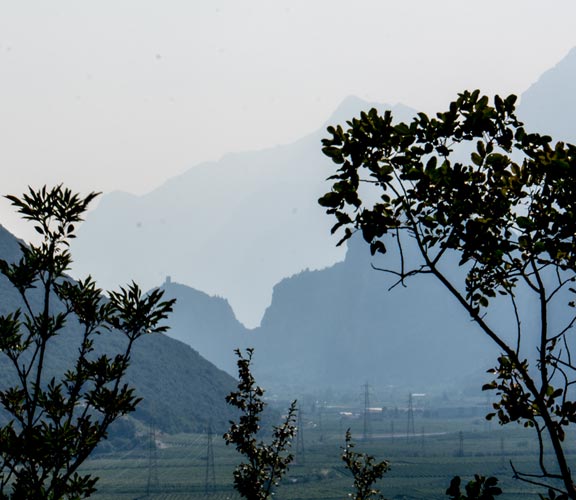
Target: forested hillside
[181, 391]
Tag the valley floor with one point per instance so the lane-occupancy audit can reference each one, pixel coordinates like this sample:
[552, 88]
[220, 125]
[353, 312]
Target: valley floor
[422, 462]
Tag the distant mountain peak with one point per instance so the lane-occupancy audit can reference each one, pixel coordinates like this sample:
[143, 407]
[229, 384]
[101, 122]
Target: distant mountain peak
[352, 106]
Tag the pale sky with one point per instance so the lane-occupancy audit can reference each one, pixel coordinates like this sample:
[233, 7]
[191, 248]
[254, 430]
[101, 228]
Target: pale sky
[124, 94]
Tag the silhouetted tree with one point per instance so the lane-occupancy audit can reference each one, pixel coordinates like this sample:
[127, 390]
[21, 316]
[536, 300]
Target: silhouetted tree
[365, 470]
[507, 214]
[479, 488]
[54, 424]
[266, 464]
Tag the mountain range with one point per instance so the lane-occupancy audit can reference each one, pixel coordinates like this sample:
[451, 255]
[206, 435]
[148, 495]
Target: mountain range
[231, 228]
[236, 227]
[338, 328]
[249, 224]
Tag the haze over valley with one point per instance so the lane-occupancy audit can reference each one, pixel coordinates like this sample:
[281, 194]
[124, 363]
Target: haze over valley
[272, 278]
[275, 278]
[201, 126]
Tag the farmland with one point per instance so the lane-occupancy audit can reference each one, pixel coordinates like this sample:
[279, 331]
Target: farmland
[424, 457]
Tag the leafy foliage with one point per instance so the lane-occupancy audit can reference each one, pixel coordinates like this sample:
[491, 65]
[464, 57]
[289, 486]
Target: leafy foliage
[509, 215]
[553, 495]
[54, 424]
[266, 463]
[365, 471]
[480, 488]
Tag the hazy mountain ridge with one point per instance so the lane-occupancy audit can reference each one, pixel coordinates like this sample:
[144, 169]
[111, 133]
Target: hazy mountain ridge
[340, 326]
[263, 208]
[343, 326]
[208, 324]
[234, 227]
[400, 336]
[548, 106]
[237, 226]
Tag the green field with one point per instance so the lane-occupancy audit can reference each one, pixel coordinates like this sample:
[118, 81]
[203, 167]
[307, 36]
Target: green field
[422, 463]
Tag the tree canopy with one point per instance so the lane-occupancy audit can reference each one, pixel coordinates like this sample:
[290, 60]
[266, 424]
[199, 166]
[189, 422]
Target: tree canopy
[54, 423]
[473, 183]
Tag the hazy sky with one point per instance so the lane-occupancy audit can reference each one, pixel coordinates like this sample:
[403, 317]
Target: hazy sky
[123, 94]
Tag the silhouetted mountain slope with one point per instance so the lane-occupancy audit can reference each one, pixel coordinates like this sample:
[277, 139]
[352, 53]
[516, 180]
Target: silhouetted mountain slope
[342, 326]
[549, 105]
[181, 391]
[233, 228]
[206, 323]
[9, 246]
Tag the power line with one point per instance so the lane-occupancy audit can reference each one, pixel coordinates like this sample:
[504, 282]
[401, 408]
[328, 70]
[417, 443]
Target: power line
[300, 450]
[367, 429]
[423, 442]
[410, 424]
[152, 485]
[460, 444]
[210, 478]
[320, 409]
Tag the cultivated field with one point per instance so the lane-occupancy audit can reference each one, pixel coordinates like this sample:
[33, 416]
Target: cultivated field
[422, 462]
